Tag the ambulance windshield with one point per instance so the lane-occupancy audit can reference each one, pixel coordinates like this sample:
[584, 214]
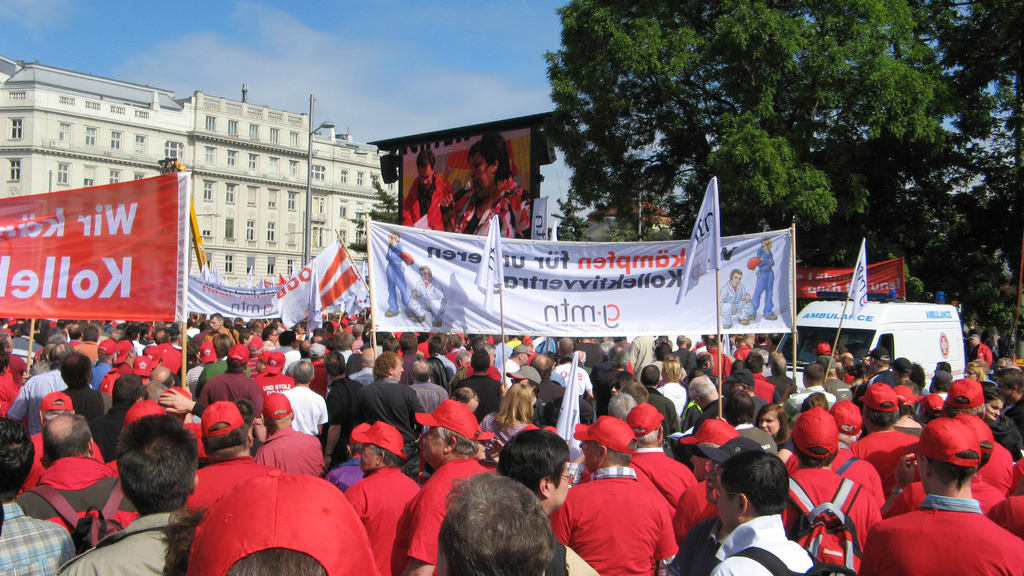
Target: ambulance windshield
[811, 339]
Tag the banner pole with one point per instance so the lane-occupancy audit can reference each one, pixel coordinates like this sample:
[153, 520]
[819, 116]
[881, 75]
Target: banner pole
[832, 356]
[369, 284]
[501, 306]
[721, 369]
[792, 307]
[31, 339]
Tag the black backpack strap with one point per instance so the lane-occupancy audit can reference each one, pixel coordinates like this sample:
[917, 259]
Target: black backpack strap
[846, 465]
[770, 561]
[59, 504]
[557, 565]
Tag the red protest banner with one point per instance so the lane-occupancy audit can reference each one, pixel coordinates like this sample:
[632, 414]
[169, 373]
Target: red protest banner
[106, 252]
[882, 277]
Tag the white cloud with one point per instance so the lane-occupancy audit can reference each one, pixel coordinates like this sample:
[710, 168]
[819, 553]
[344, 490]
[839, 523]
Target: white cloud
[378, 89]
[34, 14]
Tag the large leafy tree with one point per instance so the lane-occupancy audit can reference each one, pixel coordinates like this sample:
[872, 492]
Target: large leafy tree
[839, 117]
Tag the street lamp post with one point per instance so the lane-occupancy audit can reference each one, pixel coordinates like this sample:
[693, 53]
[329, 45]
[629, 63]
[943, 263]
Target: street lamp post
[308, 224]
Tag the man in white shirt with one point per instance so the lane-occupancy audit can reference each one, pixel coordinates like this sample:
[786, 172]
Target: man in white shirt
[583, 382]
[308, 408]
[753, 489]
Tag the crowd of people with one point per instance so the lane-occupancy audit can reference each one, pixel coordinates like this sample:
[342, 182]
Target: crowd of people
[225, 447]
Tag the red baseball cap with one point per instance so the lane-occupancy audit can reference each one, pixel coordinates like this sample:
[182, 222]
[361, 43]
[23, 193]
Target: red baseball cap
[206, 353]
[980, 429]
[712, 431]
[143, 366]
[222, 412]
[906, 395]
[943, 438]
[644, 419]
[877, 395]
[456, 417]
[933, 402]
[154, 352]
[848, 417]
[823, 349]
[275, 361]
[608, 431]
[279, 510]
[816, 428]
[239, 353]
[57, 401]
[359, 428]
[965, 393]
[256, 343]
[108, 347]
[141, 409]
[382, 435]
[276, 406]
[123, 348]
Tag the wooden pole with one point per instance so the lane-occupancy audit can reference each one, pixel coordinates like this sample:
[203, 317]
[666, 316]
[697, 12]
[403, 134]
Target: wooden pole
[832, 356]
[792, 306]
[31, 339]
[369, 284]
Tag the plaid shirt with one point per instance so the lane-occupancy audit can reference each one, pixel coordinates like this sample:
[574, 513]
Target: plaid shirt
[30, 547]
[614, 472]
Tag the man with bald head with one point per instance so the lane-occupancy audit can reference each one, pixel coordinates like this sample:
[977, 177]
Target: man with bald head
[365, 375]
[73, 473]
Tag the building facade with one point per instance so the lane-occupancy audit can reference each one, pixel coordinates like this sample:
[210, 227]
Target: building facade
[64, 130]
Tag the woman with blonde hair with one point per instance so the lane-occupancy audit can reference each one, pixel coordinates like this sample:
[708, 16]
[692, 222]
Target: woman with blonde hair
[514, 413]
[672, 374]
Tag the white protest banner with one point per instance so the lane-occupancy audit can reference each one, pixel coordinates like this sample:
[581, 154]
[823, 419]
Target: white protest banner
[209, 298]
[705, 242]
[578, 288]
[859, 285]
[318, 285]
[540, 219]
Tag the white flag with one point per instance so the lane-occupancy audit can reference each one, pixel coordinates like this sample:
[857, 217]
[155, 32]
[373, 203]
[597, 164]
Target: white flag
[491, 273]
[859, 282]
[705, 247]
[570, 414]
[554, 230]
[322, 283]
[248, 281]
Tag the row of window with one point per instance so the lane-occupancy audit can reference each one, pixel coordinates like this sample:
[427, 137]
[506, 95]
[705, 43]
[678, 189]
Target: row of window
[319, 235]
[254, 131]
[252, 198]
[63, 174]
[117, 138]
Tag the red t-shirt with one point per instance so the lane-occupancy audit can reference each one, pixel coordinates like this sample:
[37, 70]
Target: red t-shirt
[273, 383]
[861, 472]
[1010, 515]
[692, 509]
[911, 498]
[379, 499]
[416, 534]
[221, 476]
[884, 450]
[293, 452]
[669, 476]
[8, 393]
[764, 389]
[618, 525]
[999, 470]
[319, 382]
[927, 542]
[171, 358]
[821, 485]
[1018, 471]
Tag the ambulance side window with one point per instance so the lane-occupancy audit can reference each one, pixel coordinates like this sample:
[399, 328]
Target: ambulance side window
[886, 341]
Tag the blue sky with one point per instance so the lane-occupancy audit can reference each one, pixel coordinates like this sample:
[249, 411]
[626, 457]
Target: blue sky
[382, 68]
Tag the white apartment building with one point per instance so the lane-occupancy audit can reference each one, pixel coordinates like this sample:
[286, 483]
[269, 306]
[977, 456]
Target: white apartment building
[65, 130]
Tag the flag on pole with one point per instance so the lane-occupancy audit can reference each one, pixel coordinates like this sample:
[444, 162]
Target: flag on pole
[319, 285]
[570, 413]
[554, 230]
[859, 282]
[491, 273]
[705, 246]
[248, 281]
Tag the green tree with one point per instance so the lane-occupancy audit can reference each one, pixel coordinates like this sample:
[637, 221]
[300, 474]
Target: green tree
[842, 117]
[384, 209]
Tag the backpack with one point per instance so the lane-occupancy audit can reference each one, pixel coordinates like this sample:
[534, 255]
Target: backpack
[545, 412]
[89, 526]
[826, 530]
[846, 465]
[777, 567]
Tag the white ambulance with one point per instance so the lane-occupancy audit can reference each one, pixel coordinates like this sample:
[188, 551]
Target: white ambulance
[925, 334]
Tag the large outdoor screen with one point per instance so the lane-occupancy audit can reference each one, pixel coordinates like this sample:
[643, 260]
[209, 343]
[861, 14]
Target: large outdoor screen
[457, 185]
